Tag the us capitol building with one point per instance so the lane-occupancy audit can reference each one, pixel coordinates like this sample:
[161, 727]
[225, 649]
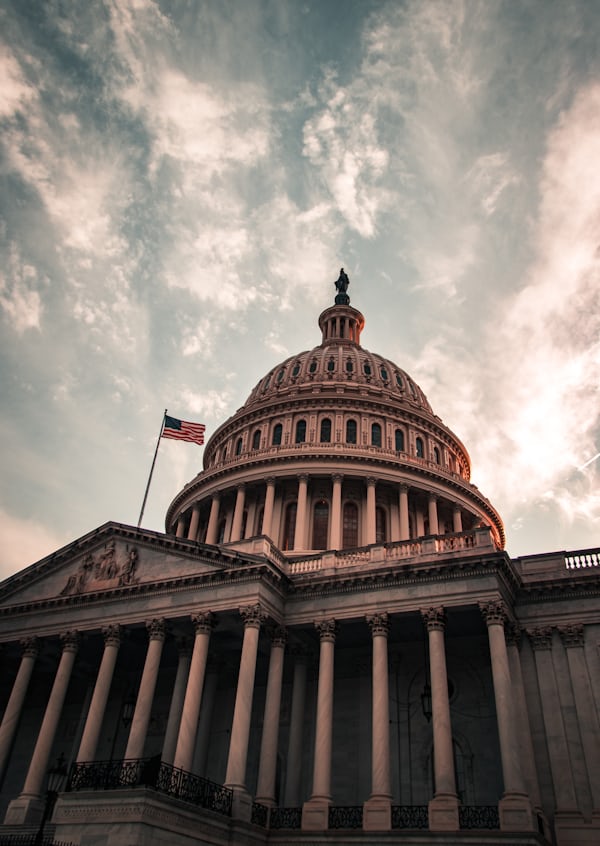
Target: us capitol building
[327, 644]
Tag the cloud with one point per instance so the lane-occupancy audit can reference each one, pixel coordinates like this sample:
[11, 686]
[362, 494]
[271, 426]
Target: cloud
[24, 541]
[20, 300]
[15, 91]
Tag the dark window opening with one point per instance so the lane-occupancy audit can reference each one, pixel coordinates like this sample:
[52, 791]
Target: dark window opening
[325, 431]
[376, 435]
[238, 446]
[350, 525]
[277, 434]
[419, 448]
[399, 437]
[351, 432]
[300, 431]
[380, 526]
[320, 525]
[256, 439]
[289, 526]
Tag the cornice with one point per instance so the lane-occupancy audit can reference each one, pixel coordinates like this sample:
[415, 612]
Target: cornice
[565, 587]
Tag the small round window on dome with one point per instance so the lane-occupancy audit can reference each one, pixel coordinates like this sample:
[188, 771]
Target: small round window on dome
[330, 365]
[400, 381]
[383, 373]
[312, 368]
[296, 369]
[349, 366]
[367, 368]
[267, 382]
[280, 375]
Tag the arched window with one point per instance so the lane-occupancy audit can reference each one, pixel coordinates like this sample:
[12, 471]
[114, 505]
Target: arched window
[376, 435]
[419, 448]
[325, 430]
[331, 365]
[238, 446]
[399, 381]
[320, 525]
[312, 367]
[277, 434]
[351, 431]
[289, 526]
[350, 525]
[436, 455]
[380, 526]
[256, 439]
[300, 431]
[399, 438]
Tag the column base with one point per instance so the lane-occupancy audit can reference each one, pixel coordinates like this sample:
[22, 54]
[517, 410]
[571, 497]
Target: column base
[377, 814]
[572, 830]
[315, 814]
[443, 812]
[516, 813]
[26, 809]
[241, 804]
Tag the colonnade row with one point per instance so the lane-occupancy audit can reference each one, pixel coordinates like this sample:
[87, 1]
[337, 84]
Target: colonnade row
[344, 516]
[520, 785]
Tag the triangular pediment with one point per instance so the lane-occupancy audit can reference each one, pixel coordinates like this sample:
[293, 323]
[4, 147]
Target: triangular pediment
[113, 557]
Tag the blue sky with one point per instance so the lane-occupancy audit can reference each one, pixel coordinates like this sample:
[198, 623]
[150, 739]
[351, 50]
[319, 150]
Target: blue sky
[181, 182]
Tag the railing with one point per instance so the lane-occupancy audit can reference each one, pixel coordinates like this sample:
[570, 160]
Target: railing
[410, 816]
[151, 772]
[478, 816]
[259, 815]
[345, 816]
[579, 560]
[30, 840]
[286, 818]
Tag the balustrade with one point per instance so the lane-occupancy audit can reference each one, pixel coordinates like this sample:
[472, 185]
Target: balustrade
[410, 816]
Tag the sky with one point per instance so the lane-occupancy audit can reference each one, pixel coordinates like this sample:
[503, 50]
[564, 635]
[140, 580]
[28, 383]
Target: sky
[181, 182]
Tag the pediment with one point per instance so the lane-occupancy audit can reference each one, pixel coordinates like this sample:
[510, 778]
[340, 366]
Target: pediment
[113, 557]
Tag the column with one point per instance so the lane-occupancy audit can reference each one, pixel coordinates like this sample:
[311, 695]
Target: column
[371, 523]
[186, 741]
[180, 529]
[315, 812]
[193, 530]
[213, 519]
[403, 502]
[335, 526]
[295, 744]
[558, 751]
[268, 511]
[377, 812]
[14, 707]
[235, 776]
[238, 513]
[300, 532]
[457, 519]
[27, 808]
[177, 698]
[267, 769]
[93, 723]
[587, 716]
[443, 808]
[514, 807]
[143, 706]
[433, 515]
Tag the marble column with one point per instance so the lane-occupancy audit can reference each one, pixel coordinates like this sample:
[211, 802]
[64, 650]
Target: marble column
[295, 743]
[193, 530]
[177, 698]
[457, 519]
[300, 532]
[587, 717]
[267, 768]
[315, 812]
[12, 714]
[235, 776]
[27, 808]
[141, 716]
[268, 510]
[213, 519]
[335, 526]
[95, 716]
[371, 522]
[377, 811]
[514, 807]
[434, 528]
[186, 741]
[403, 503]
[180, 529]
[443, 808]
[238, 514]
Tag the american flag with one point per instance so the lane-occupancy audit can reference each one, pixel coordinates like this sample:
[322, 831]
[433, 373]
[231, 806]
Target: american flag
[181, 430]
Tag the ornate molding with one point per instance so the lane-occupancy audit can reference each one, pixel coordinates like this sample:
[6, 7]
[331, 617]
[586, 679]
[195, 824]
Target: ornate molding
[327, 629]
[112, 635]
[105, 570]
[494, 613]
[252, 615]
[434, 618]
[571, 635]
[69, 640]
[278, 635]
[540, 637]
[157, 629]
[512, 633]
[379, 624]
[30, 647]
[204, 622]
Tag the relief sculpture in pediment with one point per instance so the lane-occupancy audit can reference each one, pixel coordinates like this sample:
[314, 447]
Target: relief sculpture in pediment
[106, 570]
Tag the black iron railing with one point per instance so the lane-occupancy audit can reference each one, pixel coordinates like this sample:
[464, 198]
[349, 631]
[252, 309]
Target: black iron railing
[259, 815]
[30, 840]
[151, 772]
[478, 816]
[286, 818]
[345, 816]
[410, 816]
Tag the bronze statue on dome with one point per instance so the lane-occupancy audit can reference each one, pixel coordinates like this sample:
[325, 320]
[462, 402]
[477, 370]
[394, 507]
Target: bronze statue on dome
[341, 285]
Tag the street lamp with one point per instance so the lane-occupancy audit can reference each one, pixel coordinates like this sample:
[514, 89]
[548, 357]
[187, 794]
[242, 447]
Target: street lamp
[56, 779]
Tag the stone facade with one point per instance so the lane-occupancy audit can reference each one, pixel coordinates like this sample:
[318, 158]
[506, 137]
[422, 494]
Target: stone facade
[329, 635]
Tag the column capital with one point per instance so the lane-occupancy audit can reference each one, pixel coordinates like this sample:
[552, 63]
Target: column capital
[540, 637]
[512, 633]
[278, 635]
[184, 646]
[571, 635]
[203, 622]
[432, 497]
[157, 629]
[271, 481]
[434, 618]
[403, 487]
[241, 486]
[112, 635]
[70, 641]
[327, 629]
[337, 477]
[379, 624]
[30, 647]
[303, 477]
[494, 613]
[252, 615]
[216, 495]
[371, 481]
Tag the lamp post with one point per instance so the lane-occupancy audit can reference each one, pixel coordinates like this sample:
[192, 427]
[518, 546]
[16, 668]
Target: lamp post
[56, 779]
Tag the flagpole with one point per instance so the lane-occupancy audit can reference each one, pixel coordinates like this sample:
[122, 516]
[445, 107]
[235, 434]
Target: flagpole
[162, 426]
